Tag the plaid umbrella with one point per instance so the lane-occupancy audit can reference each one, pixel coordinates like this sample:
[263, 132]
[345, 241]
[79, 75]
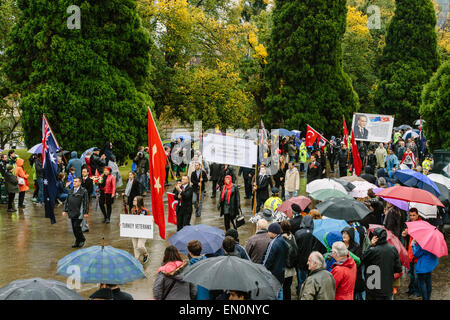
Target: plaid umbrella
[99, 264]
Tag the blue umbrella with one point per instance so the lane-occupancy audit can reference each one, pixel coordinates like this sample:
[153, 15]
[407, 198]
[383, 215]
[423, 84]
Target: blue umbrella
[285, 132]
[99, 264]
[211, 238]
[322, 226]
[36, 149]
[413, 178]
[405, 127]
[411, 133]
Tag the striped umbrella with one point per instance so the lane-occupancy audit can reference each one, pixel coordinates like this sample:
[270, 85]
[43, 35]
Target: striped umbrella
[99, 264]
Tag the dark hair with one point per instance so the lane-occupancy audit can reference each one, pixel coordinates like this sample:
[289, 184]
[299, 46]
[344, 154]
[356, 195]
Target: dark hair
[285, 226]
[61, 176]
[195, 247]
[140, 202]
[132, 172]
[77, 178]
[371, 194]
[414, 210]
[229, 244]
[10, 152]
[171, 254]
[245, 295]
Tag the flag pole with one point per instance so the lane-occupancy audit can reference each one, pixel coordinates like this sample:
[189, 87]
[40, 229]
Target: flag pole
[200, 192]
[256, 173]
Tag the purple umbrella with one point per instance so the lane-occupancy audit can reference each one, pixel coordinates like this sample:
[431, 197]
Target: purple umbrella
[403, 205]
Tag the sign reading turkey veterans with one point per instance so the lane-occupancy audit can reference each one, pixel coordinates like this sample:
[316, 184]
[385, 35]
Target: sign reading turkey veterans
[230, 150]
[372, 127]
[136, 226]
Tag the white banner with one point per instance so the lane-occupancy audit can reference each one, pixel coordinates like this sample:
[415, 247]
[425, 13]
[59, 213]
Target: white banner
[229, 150]
[136, 226]
[372, 127]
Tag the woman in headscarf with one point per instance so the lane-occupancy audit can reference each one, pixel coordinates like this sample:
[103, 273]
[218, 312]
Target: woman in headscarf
[230, 203]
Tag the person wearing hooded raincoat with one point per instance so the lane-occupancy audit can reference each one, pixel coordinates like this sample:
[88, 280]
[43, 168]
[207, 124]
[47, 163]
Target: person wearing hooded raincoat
[23, 176]
[381, 261]
[426, 263]
[76, 163]
[356, 249]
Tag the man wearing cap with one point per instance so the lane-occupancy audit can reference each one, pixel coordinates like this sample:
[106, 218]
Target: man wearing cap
[276, 255]
[296, 218]
[257, 244]
[274, 201]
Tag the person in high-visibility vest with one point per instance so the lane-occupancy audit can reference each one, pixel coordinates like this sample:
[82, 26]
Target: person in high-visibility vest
[274, 201]
[426, 165]
[303, 155]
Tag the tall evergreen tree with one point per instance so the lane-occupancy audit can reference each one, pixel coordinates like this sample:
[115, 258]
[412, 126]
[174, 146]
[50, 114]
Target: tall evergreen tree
[89, 81]
[306, 80]
[409, 59]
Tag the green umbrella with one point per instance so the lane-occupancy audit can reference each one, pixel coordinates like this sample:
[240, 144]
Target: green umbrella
[324, 194]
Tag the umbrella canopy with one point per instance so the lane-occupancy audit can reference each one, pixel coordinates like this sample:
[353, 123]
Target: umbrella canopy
[410, 134]
[285, 132]
[83, 155]
[403, 205]
[425, 210]
[325, 194]
[362, 187]
[343, 209]
[413, 178]
[301, 201]
[369, 178]
[428, 237]
[99, 264]
[322, 226]
[435, 177]
[36, 149]
[410, 195]
[184, 136]
[418, 122]
[394, 241]
[38, 289]
[211, 238]
[230, 273]
[324, 184]
[346, 184]
[405, 127]
[351, 178]
[444, 197]
[446, 170]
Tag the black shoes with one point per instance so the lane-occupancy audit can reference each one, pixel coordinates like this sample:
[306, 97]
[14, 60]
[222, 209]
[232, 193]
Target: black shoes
[78, 245]
[21, 206]
[11, 210]
[81, 244]
[107, 221]
[145, 259]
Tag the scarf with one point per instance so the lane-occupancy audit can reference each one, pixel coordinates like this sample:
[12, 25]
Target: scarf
[227, 187]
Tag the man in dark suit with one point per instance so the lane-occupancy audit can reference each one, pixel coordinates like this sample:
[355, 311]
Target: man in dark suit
[359, 130]
[198, 177]
[214, 176]
[263, 181]
[247, 175]
[183, 192]
[77, 208]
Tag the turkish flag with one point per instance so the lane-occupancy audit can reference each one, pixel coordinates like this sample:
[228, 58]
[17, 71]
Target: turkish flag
[357, 164]
[173, 204]
[311, 136]
[157, 162]
[345, 130]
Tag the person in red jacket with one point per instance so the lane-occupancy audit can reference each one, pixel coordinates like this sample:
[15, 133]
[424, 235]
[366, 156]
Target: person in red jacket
[107, 184]
[343, 271]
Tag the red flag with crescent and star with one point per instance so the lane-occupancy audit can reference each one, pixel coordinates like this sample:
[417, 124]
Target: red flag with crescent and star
[173, 204]
[311, 136]
[157, 163]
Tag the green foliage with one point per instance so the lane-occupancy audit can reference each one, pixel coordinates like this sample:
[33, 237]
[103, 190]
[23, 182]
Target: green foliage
[409, 59]
[90, 82]
[307, 84]
[435, 108]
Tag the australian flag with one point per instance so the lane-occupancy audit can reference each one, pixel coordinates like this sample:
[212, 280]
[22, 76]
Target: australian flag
[50, 166]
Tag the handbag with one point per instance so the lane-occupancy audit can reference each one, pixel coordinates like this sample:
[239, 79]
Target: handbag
[21, 181]
[240, 220]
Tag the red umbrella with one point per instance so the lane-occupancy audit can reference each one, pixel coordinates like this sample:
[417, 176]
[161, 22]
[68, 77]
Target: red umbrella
[428, 237]
[301, 201]
[411, 195]
[393, 240]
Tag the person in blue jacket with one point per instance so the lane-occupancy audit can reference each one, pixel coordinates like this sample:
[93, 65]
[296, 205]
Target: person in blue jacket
[426, 262]
[195, 248]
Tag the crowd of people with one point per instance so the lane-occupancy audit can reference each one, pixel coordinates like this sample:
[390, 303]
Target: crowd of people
[338, 269]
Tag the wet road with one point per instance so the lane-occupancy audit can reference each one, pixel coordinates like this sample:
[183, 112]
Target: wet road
[31, 247]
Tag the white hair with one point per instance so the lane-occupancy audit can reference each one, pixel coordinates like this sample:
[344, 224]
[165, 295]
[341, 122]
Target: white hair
[318, 259]
[262, 224]
[340, 249]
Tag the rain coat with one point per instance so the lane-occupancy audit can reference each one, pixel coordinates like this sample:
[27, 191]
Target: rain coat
[306, 242]
[426, 261]
[169, 273]
[20, 173]
[344, 274]
[329, 238]
[76, 163]
[319, 285]
[303, 152]
[202, 292]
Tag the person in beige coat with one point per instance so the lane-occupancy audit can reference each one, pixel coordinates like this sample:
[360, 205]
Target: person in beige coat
[291, 181]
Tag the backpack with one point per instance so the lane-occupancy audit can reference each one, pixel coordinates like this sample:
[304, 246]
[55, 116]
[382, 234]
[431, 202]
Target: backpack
[292, 253]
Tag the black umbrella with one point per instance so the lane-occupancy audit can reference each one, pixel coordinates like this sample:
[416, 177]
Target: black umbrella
[369, 178]
[231, 273]
[445, 193]
[38, 289]
[343, 209]
[346, 184]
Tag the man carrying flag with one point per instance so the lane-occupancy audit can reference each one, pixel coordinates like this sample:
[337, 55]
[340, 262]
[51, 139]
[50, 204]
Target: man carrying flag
[50, 168]
[157, 163]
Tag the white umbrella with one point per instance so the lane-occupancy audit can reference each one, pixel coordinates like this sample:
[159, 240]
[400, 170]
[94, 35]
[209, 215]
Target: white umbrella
[418, 122]
[446, 170]
[324, 184]
[425, 210]
[440, 179]
[362, 187]
[412, 133]
[34, 149]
